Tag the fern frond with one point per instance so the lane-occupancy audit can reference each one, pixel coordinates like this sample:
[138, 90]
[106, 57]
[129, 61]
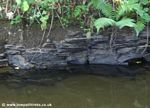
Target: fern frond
[95, 3]
[128, 6]
[139, 26]
[138, 9]
[144, 2]
[104, 6]
[146, 17]
[103, 22]
[125, 22]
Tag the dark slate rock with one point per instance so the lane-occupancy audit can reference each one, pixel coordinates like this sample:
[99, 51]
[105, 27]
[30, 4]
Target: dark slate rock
[102, 46]
[144, 33]
[77, 41]
[126, 50]
[12, 52]
[126, 39]
[71, 50]
[76, 34]
[19, 61]
[2, 55]
[13, 49]
[48, 45]
[99, 39]
[9, 46]
[103, 59]
[124, 58]
[78, 58]
[20, 48]
[99, 52]
[3, 62]
[73, 45]
[45, 58]
[147, 57]
[78, 49]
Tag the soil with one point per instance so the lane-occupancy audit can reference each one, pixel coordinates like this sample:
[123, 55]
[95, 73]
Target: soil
[32, 36]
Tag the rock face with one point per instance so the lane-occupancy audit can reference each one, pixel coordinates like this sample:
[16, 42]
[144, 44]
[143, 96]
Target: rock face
[39, 58]
[78, 49]
[75, 48]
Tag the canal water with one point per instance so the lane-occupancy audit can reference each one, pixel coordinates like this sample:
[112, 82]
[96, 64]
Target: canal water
[77, 90]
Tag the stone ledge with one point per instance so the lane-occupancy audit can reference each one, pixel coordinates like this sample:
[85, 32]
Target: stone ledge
[78, 50]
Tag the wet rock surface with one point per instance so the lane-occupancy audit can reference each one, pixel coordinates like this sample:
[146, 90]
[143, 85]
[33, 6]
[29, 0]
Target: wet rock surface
[78, 49]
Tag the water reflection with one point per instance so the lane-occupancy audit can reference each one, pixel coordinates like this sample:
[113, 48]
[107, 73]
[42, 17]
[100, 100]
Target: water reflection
[68, 90]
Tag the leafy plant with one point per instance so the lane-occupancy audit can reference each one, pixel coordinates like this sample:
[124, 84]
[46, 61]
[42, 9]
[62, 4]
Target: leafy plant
[125, 22]
[87, 13]
[103, 22]
[130, 13]
[16, 20]
[104, 6]
[25, 6]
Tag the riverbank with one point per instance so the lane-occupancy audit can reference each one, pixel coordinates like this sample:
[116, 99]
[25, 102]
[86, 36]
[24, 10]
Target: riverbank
[73, 48]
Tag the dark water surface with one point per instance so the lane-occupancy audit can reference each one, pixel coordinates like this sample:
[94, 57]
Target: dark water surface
[66, 90]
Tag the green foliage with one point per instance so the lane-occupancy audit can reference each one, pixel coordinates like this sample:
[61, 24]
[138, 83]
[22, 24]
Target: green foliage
[18, 2]
[128, 6]
[139, 26]
[77, 11]
[125, 22]
[125, 14]
[16, 20]
[43, 20]
[103, 22]
[87, 13]
[25, 6]
[104, 6]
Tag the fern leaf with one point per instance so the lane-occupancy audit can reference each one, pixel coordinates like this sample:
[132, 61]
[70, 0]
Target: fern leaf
[104, 6]
[133, 1]
[144, 2]
[146, 17]
[125, 22]
[139, 26]
[95, 3]
[138, 9]
[122, 9]
[127, 7]
[103, 22]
